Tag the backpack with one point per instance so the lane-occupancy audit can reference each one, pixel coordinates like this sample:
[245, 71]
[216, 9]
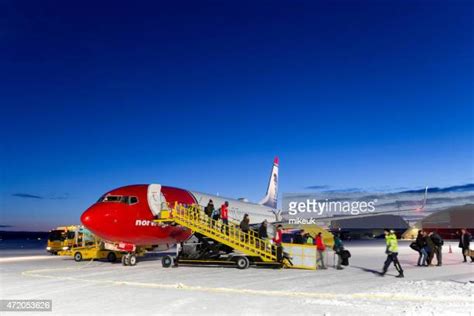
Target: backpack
[437, 240]
[345, 255]
[216, 213]
[415, 246]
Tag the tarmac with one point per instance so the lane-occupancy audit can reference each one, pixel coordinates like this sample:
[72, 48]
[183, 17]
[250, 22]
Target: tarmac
[98, 287]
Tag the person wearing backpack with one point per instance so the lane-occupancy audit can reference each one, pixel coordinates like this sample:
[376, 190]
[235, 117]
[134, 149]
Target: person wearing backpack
[421, 248]
[338, 248]
[215, 215]
[209, 209]
[438, 247]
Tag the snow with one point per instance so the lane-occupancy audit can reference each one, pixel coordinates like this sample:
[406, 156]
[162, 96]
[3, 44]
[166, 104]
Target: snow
[100, 287]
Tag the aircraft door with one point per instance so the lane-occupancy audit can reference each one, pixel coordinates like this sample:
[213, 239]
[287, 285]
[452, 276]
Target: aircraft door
[154, 198]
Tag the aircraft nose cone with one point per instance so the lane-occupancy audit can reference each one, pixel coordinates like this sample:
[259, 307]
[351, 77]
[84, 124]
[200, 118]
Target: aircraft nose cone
[90, 218]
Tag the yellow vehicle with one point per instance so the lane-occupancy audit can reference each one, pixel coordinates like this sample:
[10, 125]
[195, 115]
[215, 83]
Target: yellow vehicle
[87, 246]
[94, 252]
[62, 238]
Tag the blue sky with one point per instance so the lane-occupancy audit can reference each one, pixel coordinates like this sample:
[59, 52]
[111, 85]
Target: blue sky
[203, 95]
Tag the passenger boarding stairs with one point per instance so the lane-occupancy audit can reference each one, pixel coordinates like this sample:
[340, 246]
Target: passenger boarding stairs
[231, 235]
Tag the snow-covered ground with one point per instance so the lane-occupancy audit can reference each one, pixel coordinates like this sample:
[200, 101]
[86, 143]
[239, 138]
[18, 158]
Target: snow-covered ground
[101, 287]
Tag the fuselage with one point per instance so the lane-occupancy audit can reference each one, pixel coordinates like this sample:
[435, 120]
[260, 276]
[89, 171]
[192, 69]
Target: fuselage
[126, 214]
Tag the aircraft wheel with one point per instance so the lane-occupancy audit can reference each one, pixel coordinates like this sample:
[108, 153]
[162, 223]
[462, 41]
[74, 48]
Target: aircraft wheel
[242, 263]
[132, 260]
[77, 256]
[111, 257]
[125, 260]
[167, 261]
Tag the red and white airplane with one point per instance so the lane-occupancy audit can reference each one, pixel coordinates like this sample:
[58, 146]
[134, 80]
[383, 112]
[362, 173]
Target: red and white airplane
[124, 217]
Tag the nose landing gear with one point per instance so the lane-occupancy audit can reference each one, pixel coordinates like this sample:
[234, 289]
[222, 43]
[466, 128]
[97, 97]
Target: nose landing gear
[130, 259]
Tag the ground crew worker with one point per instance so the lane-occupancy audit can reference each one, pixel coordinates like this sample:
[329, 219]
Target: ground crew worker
[309, 239]
[225, 216]
[320, 248]
[392, 253]
[278, 240]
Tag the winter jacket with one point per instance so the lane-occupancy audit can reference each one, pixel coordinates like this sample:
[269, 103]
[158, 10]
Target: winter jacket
[244, 225]
[278, 237]
[338, 246]
[392, 243]
[262, 232]
[437, 240]
[209, 209]
[319, 243]
[420, 241]
[224, 212]
[430, 244]
[464, 241]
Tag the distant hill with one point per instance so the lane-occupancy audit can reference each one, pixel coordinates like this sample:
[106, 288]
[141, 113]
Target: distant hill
[9, 235]
[455, 188]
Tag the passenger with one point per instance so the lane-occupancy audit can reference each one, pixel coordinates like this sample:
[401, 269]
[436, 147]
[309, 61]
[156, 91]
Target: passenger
[392, 253]
[209, 208]
[245, 223]
[430, 248]
[225, 217]
[299, 238]
[245, 226]
[278, 240]
[262, 233]
[320, 248]
[216, 214]
[464, 242]
[262, 230]
[338, 248]
[422, 249]
[438, 247]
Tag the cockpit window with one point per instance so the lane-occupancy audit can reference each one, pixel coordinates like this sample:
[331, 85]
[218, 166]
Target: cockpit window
[119, 198]
[113, 198]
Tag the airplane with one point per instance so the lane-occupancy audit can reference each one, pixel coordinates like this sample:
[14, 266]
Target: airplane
[123, 217]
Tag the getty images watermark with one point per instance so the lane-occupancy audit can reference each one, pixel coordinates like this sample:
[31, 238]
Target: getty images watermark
[307, 208]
